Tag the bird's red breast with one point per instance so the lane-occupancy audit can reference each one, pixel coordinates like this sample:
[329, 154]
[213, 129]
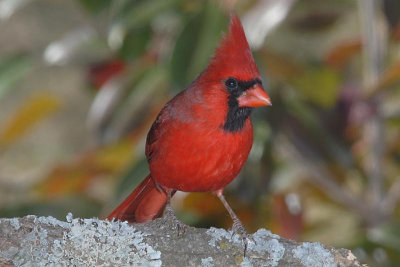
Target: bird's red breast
[190, 151]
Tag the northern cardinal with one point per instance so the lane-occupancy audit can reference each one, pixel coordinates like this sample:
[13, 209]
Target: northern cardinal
[202, 137]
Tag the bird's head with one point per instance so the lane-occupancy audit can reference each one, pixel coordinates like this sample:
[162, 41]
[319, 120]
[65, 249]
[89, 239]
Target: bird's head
[233, 69]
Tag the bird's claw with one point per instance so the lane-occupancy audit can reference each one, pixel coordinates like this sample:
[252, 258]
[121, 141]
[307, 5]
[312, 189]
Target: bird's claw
[169, 214]
[238, 228]
[181, 228]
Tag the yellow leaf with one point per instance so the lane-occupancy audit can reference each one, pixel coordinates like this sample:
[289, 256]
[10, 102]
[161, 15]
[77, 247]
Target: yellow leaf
[33, 110]
[117, 156]
[89, 168]
[319, 85]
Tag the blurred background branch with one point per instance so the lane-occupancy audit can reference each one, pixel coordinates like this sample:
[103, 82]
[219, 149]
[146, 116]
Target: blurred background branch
[374, 53]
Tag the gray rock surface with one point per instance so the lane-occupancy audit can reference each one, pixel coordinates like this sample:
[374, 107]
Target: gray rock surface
[44, 241]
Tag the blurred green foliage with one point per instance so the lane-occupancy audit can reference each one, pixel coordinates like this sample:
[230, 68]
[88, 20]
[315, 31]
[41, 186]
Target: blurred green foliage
[309, 175]
[12, 68]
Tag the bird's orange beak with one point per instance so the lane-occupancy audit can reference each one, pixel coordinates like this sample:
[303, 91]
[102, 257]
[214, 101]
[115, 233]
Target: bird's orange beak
[254, 97]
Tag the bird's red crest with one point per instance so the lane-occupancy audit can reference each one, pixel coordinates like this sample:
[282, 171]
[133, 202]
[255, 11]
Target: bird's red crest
[233, 56]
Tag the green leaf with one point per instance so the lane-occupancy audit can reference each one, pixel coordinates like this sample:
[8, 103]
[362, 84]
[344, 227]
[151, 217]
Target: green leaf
[196, 44]
[12, 69]
[209, 34]
[319, 85]
[95, 6]
[135, 43]
[143, 12]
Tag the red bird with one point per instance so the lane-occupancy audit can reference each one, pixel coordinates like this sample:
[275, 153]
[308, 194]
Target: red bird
[202, 137]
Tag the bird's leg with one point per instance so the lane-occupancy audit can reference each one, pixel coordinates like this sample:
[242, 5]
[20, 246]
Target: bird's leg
[170, 213]
[237, 226]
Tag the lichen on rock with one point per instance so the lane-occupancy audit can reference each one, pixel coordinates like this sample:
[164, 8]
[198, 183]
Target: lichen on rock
[313, 255]
[86, 242]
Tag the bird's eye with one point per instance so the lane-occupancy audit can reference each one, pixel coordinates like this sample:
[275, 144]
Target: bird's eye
[231, 83]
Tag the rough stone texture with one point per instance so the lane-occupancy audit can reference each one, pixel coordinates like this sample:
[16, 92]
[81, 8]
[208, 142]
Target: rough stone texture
[43, 241]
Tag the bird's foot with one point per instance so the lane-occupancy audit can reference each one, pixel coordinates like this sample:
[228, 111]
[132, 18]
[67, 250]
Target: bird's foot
[169, 214]
[238, 228]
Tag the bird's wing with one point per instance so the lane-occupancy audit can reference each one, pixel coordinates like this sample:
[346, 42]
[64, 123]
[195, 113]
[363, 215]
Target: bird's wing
[153, 135]
[176, 110]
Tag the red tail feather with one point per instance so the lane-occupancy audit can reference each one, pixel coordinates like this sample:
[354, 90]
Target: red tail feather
[145, 203]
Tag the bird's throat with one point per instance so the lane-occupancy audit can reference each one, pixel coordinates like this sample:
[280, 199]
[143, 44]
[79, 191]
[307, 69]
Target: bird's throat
[236, 116]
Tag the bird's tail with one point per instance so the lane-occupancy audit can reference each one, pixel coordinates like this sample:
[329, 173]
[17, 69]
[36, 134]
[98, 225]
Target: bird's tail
[145, 203]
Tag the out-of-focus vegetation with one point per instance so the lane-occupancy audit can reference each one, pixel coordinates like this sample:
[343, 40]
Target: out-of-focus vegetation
[82, 81]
